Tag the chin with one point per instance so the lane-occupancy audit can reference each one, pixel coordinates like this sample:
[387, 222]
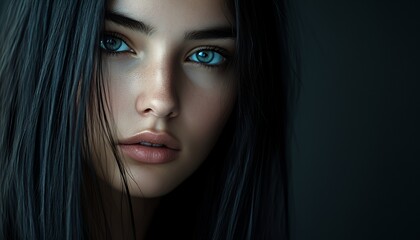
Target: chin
[147, 182]
[146, 190]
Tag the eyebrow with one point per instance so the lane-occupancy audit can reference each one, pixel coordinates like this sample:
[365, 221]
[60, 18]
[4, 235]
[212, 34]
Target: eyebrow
[211, 33]
[125, 21]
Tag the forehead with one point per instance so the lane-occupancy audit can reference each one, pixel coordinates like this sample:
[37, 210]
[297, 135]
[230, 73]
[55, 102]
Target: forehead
[175, 14]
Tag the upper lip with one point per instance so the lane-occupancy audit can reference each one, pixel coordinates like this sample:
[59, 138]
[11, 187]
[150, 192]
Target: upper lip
[153, 137]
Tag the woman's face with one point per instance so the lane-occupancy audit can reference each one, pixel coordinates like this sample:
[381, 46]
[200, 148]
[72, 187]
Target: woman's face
[171, 88]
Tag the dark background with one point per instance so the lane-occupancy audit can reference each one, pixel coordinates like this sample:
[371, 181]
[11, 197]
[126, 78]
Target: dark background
[355, 170]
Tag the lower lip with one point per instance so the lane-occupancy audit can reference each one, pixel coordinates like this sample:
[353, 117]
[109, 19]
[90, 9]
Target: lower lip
[150, 155]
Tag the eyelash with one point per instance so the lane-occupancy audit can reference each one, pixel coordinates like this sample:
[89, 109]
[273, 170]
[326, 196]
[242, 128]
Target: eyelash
[222, 52]
[116, 36]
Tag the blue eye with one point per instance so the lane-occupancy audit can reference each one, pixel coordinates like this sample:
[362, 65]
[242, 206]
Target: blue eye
[114, 44]
[207, 57]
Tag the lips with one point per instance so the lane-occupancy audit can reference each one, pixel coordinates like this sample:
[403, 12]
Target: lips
[151, 147]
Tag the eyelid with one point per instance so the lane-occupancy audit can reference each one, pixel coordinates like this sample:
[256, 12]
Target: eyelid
[223, 52]
[122, 38]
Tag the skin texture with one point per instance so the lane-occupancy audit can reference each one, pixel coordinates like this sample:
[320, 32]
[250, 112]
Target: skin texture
[155, 83]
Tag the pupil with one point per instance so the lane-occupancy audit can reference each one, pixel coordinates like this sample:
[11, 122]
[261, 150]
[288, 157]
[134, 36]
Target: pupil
[202, 54]
[205, 56]
[112, 44]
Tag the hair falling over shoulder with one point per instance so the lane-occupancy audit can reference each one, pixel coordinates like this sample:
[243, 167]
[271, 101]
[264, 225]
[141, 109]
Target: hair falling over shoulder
[48, 58]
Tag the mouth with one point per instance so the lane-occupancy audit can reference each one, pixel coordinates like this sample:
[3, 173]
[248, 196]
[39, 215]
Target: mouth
[151, 147]
[149, 144]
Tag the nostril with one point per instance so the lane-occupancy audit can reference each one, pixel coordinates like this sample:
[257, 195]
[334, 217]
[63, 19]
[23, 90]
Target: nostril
[158, 105]
[150, 111]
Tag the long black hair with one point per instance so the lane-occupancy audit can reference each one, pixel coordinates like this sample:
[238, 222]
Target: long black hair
[252, 203]
[49, 56]
[47, 64]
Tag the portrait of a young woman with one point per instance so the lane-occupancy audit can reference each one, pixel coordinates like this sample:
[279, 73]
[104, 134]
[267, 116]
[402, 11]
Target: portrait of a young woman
[144, 119]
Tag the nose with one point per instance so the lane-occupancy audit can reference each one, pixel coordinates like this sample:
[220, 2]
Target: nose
[158, 96]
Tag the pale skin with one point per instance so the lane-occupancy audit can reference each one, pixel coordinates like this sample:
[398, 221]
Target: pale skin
[172, 76]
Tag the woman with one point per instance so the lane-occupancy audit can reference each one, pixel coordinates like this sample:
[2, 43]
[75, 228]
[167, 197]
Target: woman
[143, 120]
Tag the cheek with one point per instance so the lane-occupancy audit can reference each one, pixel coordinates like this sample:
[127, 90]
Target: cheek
[123, 89]
[205, 114]
[119, 84]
